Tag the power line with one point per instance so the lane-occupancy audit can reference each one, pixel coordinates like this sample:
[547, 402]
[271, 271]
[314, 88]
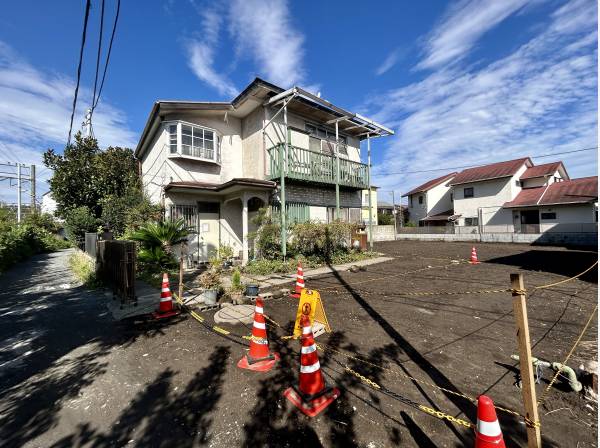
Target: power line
[471, 166]
[112, 37]
[99, 52]
[85, 22]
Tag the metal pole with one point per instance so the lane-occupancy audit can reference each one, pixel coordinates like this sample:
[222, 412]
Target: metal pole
[370, 192]
[337, 173]
[282, 153]
[395, 212]
[32, 187]
[18, 192]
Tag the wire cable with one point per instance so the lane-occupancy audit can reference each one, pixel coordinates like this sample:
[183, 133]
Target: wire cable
[112, 37]
[99, 52]
[471, 166]
[85, 23]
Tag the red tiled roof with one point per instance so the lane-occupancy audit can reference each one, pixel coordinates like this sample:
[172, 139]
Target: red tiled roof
[430, 184]
[575, 191]
[492, 171]
[547, 169]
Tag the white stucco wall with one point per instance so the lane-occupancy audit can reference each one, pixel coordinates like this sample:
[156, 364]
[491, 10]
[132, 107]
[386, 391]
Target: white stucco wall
[489, 195]
[159, 167]
[541, 181]
[438, 199]
[318, 213]
[417, 211]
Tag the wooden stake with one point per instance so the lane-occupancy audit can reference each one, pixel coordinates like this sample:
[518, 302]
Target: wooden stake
[181, 278]
[534, 437]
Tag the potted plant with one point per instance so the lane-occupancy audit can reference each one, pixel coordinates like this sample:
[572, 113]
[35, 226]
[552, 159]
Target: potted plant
[210, 282]
[236, 290]
[226, 255]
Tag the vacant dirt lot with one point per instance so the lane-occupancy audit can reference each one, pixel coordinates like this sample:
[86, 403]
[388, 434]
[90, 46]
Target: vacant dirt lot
[177, 384]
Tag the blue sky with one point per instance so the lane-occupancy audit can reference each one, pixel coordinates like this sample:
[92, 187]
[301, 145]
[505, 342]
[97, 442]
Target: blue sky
[464, 82]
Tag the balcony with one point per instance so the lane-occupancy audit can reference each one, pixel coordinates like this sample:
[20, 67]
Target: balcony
[311, 166]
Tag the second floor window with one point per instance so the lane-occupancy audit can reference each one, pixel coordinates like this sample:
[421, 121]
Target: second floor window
[323, 140]
[468, 192]
[420, 199]
[195, 141]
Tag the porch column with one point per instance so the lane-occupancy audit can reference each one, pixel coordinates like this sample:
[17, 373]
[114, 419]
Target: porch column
[337, 173]
[244, 229]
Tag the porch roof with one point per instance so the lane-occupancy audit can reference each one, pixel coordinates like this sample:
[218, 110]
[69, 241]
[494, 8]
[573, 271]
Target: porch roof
[226, 187]
[443, 216]
[575, 191]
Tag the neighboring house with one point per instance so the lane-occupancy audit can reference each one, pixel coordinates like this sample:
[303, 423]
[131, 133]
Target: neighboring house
[479, 193]
[515, 196]
[365, 205]
[431, 202]
[563, 206]
[216, 163]
[48, 203]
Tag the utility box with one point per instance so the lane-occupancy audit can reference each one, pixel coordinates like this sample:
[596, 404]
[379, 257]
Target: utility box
[359, 240]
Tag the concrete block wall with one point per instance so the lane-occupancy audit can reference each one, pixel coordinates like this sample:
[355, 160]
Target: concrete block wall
[319, 195]
[572, 239]
[383, 233]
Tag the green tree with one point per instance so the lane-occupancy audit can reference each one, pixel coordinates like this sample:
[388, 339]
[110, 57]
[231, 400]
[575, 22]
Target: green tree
[157, 240]
[84, 175]
[78, 221]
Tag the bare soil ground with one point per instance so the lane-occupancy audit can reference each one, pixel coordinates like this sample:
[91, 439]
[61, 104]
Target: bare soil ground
[137, 383]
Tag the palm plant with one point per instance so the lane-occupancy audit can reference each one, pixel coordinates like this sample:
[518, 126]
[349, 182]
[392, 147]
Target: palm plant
[165, 235]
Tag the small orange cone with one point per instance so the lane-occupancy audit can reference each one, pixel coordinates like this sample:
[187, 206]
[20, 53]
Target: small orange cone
[300, 285]
[474, 259]
[258, 358]
[312, 394]
[165, 306]
[487, 433]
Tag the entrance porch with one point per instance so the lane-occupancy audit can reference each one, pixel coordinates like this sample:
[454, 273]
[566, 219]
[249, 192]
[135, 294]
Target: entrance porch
[218, 214]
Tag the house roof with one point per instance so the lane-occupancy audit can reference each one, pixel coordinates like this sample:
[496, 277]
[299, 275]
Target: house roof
[547, 169]
[575, 191]
[260, 92]
[430, 184]
[492, 171]
[443, 216]
[207, 186]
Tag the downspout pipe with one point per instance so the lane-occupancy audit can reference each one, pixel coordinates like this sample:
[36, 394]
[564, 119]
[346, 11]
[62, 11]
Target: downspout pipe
[557, 367]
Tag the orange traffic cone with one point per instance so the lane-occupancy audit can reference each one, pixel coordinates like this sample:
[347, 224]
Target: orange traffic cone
[487, 433]
[312, 394]
[259, 358]
[165, 306]
[474, 259]
[300, 285]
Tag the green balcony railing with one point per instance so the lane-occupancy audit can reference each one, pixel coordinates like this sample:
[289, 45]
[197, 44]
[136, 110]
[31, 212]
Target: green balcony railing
[303, 164]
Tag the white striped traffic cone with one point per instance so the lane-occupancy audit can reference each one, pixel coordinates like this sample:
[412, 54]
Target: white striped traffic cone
[312, 394]
[487, 433]
[474, 259]
[165, 306]
[300, 285]
[259, 358]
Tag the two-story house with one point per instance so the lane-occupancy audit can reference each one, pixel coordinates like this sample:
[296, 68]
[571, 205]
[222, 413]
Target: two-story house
[515, 196]
[431, 202]
[217, 163]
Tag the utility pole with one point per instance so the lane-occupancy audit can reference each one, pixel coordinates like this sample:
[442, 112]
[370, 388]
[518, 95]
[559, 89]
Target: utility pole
[32, 187]
[19, 192]
[395, 213]
[87, 124]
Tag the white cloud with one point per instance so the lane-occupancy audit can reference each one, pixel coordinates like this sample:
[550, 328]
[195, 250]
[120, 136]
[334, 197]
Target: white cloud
[201, 52]
[35, 111]
[264, 29]
[390, 60]
[539, 99]
[462, 26]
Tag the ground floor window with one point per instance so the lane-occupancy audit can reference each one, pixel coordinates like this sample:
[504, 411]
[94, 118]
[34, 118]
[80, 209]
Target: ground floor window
[549, 215]
[189, 213]
[471, 221]
[295, 212]
[347, 214]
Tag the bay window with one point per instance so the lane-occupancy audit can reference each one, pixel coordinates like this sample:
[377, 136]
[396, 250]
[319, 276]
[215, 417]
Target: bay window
[190, 140]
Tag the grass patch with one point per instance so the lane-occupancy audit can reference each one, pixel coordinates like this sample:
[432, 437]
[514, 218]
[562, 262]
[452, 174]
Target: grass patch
[277, 266]
[84, 268]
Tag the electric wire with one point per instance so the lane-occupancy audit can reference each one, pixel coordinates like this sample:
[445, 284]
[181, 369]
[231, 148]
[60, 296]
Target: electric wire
[85, 23]
[110, 44]
[97, 61]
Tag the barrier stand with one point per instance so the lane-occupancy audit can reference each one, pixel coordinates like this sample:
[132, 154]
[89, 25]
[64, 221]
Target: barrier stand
[534, 437]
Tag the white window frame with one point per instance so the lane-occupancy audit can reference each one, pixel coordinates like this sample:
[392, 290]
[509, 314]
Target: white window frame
[217, 138]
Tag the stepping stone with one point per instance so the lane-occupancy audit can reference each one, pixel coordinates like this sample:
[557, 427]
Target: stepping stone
[235, 314]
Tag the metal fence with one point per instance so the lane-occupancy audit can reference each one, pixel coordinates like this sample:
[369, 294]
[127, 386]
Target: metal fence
[115, 266]
[579, 228]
